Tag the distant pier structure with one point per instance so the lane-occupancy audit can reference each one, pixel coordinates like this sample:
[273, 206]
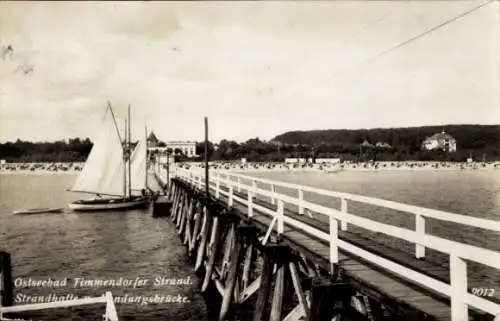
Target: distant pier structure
[270, 248]
[187, 148]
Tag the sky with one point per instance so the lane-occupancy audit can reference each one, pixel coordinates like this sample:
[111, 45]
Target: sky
[255, 69]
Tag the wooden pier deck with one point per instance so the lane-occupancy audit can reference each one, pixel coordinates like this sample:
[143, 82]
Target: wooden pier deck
[405, 284]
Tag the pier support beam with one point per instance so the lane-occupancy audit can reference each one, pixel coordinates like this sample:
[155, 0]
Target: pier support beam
[162, 207]
[227, 246]
[243, 237]
[275, 257]
[278, 294]
[219, 223]
[329, 299]
[198, 217]
[265, 284]
[206, 228]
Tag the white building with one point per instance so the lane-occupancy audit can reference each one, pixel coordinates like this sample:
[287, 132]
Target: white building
[188, 148]
[442, 141]
[328, 160]
[161, 154]
[297, 160]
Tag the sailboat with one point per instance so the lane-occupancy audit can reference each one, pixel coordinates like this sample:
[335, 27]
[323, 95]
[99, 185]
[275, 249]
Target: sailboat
[117, 176]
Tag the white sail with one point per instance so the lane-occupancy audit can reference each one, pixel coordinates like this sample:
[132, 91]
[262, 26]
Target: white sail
[104, 168]
[138, 172]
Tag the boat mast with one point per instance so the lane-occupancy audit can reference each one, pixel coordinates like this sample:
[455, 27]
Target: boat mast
[168, 167]
[125, 161]
[207, 186]
[128, 155]
[146, 178]
[123, 148]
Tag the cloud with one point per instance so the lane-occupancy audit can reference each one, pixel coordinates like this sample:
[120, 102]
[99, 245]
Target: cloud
[253, 71]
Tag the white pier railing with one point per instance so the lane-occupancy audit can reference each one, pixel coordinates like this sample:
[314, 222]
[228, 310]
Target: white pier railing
[107, 298]
[458, 253]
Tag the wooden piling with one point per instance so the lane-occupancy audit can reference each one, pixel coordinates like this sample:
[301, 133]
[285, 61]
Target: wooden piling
[175, 207]
[298, 289]
[228, 248]
[6, 285]
[185, 228]
[236, 256]
[162, 207]
[329, 299]
[265, 284]
[182, 210]
[277, 304]
[185, 215]
[216, 237]
[247, 266]
[196, 230]
[204, 238]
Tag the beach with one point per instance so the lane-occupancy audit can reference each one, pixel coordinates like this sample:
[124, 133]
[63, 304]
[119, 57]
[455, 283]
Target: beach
[33, 168]
[333, 168]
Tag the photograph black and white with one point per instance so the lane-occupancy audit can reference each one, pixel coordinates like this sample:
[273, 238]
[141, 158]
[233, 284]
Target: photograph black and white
[250, 160]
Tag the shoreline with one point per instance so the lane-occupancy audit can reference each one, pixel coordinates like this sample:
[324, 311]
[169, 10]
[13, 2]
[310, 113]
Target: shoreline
[39, 172]
[59, 168]
[357, 167]
[332, 171]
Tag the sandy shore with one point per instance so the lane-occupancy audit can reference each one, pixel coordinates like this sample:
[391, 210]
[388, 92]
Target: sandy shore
[31, 168]
[62, 168]
[5, 172]
[334, 168]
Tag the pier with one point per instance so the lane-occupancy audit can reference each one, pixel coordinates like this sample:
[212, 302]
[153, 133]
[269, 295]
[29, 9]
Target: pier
[290, 258]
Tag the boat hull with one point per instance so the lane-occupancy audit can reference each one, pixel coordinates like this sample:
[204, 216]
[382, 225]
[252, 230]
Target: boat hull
[107, 204]
[33, 211]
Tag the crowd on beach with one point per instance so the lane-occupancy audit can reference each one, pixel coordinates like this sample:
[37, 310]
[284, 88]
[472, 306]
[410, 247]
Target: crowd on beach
[337, 167]
[273, 166]
[41, 167]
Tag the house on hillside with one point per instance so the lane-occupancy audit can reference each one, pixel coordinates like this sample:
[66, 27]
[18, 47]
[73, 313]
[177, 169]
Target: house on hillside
[383, 145]
[366, 144]
[440, 141]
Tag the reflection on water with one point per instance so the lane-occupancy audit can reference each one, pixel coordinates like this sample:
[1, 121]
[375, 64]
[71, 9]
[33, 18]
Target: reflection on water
[93, 246]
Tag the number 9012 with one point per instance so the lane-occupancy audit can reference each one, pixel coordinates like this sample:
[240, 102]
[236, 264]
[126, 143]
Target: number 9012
[483, 291]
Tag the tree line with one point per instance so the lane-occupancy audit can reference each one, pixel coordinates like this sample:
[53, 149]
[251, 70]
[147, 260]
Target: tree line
[482, 142]
[72, 150]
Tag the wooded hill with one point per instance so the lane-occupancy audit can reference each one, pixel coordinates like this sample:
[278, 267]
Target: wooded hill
[405, 143]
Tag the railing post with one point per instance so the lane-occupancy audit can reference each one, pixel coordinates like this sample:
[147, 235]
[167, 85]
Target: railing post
[301, 199]
[230, 198]
[343, 209]
[250, 206]
[217, 185]
[273, 191]
[254, 187]
[334, 235]
[420, 229]
[280, 213]
[239, 184]
[458, 280]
